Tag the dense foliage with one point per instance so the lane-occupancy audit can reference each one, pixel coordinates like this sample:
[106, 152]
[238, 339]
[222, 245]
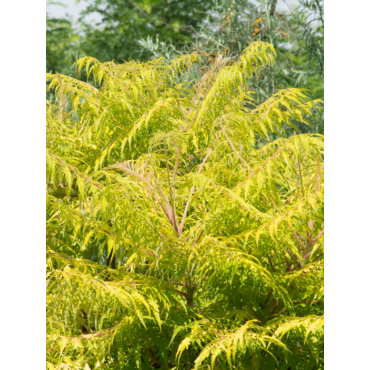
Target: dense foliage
[297, 36]
[124, 22]
[142, 30]
[184, 228]
[119, 26]
[62, 43]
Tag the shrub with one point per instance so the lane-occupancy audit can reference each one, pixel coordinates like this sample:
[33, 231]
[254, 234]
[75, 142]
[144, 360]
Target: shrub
[184, 228]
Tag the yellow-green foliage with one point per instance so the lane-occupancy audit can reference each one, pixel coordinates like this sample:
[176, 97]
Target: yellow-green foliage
[184, 229]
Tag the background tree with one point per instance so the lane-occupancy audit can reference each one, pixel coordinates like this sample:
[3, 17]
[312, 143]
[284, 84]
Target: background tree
[62, 43]
[297, 36]
[206, 26]
[124, 22]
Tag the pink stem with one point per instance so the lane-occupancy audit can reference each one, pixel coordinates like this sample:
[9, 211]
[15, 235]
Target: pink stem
[317, 237]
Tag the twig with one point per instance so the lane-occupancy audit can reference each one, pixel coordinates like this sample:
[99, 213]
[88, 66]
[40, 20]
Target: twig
[272, 265]
[196, 241]
[273, 7]
[294, 258]
[317, 237]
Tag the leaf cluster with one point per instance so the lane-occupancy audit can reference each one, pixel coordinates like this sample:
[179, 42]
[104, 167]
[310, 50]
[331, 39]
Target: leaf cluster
[184, 223]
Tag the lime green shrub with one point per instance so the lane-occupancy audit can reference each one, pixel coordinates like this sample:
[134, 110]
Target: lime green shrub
[184, 229]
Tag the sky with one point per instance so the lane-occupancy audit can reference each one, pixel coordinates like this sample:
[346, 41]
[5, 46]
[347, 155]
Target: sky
[74, 9]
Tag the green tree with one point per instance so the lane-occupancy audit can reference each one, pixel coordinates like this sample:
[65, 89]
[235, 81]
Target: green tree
[297, 35]
[180, 234]
[124, 22]
[62, 43]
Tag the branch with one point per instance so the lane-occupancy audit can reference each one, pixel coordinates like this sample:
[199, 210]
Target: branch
[288, 264]
[74, 170]
[309, 254]
[196, 241]
[272, 265]
[298, 240]
[59, 255]
[53, 231]
[317, 237]
[273, 7]
[292, 255]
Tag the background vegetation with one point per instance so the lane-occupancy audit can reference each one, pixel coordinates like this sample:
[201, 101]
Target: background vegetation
[145, 29]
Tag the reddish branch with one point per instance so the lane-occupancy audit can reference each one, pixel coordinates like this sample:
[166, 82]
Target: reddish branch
[317, 237]
[75, 171]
